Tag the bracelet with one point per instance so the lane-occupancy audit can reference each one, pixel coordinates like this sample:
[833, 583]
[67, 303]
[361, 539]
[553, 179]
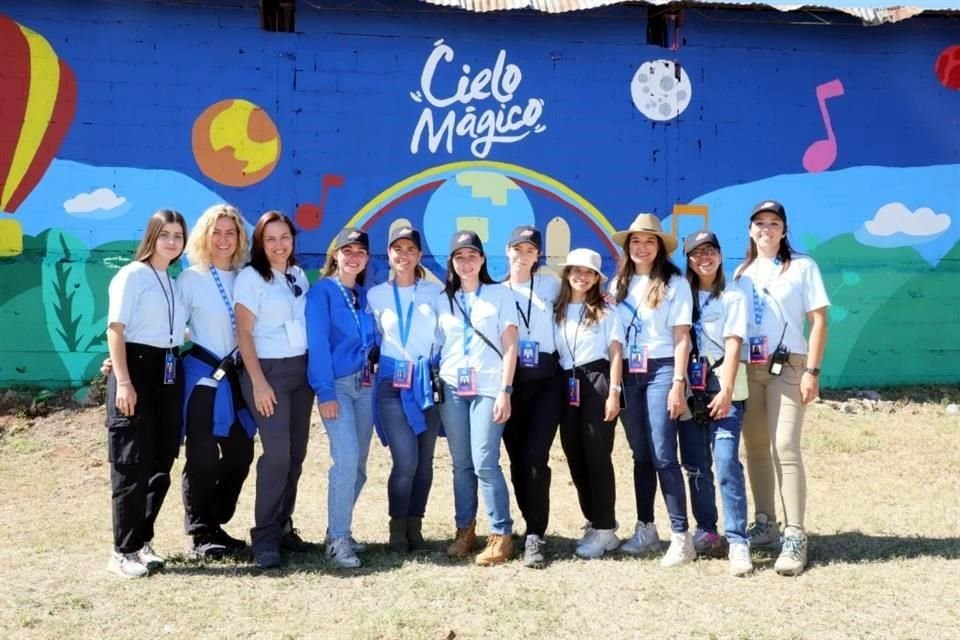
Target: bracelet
[125, 382]
[814, 371]
[617, 387]
[679, 379]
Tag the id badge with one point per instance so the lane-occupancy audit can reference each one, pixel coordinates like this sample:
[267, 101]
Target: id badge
[638, 359]
[758, 350]
[403, 375]
[366, 378]
[573, 391]
[170, 368]
[296, 334]
[698, 374]
[466, 381]
[529, 353]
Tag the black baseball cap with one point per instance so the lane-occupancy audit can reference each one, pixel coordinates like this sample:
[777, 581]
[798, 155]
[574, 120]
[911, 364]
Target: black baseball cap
[405, 233]
[526, 233]
[465, 240]
[769, 206]
[698, 238]
[351, 235]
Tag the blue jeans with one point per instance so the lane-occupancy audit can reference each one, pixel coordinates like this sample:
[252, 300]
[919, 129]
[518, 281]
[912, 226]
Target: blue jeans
[412, 473]
[349, 434]
[652, 435]
[700, 446]
[474, 441]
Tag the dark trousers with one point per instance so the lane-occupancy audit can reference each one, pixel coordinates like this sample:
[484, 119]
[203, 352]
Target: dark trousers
[141, 448]
[215, 468]
[587, 441]
[284, 438]
[535, 411]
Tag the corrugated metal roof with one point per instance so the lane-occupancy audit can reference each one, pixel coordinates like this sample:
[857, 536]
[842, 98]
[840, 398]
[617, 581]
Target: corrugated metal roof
[872, 12]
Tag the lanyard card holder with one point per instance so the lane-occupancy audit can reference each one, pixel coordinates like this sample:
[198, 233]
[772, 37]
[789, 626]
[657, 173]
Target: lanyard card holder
[637, 362]
[403, 375]
[573, 391]
[529, 353]
[466, 381]
[169, 368]
[366, 377]
[697, 373]
[758, 350]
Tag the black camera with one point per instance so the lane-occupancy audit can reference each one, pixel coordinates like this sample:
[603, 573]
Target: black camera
[436, 384]
[699, 408]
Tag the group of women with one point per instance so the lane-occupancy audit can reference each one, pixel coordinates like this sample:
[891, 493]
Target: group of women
[674, 355]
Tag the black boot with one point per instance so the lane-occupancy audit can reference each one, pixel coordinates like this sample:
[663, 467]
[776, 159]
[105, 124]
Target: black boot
[415, 535]
[398, 535]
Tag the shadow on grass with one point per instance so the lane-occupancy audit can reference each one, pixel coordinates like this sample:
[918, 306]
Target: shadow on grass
[854, 547]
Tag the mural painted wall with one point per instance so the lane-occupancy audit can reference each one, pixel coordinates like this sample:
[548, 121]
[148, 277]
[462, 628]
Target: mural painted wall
[395, 113]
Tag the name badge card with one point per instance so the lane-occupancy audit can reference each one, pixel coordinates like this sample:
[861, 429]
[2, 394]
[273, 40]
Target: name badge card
[529, 353]
[758, 350]
[403, 375]
[296, 334]
[638, 359]
[466, 381]
[366, 378]
[698, 373]
[170, 368]
[573, 392]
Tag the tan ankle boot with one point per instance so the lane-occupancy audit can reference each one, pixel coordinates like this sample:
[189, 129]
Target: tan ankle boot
[465, 541]
[499, 549]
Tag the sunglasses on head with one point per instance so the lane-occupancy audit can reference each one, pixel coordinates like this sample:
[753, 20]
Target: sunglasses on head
[294, 287]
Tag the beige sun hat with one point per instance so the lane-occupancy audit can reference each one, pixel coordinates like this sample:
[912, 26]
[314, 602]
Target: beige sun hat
[647, 223]
[585, 258]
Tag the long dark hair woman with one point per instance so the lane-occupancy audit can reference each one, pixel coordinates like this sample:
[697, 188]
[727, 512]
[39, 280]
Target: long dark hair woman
[145, 330]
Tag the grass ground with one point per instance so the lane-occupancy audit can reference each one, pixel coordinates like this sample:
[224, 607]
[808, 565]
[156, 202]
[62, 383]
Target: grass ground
[883, 513]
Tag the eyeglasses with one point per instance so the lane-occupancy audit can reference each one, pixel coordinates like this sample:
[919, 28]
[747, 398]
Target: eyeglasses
[294, 287]
[706, 252]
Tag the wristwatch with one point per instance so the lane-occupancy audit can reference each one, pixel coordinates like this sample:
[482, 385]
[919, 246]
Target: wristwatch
[679, 379]
[812, 371]
[617, 387]
[507, 388]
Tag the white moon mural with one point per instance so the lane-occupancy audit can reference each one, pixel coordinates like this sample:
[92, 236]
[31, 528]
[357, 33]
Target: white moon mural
[661, 89]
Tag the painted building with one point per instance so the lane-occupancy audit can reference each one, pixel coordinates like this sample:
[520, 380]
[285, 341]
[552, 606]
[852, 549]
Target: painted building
[393, 112]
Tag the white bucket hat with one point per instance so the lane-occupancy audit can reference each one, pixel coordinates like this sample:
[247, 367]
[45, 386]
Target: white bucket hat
[585, 258]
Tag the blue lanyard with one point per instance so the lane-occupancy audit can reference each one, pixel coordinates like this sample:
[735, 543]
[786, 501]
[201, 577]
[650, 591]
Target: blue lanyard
[633, 322]
[404, 326]
[356, 317]
[698, 325]
[467, 322]
[759, 302]
[223, 296]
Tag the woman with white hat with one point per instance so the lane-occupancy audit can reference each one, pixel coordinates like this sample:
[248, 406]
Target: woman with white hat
[654, 304]
[783, 371]
[589, 343]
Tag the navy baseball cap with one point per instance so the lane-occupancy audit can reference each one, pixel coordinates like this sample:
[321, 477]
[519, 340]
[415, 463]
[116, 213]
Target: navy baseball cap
[526, 233]
[405, 233]
[769, 206]
[351, 235]
[465, 240]
[698, 238]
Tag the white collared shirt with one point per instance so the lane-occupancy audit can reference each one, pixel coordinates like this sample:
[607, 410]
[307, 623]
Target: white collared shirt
[274, 304]
[423, 326]
[653, 328]
[140, 299]
[208, 316]
[721, 318]
[579, 343]
[546, 288]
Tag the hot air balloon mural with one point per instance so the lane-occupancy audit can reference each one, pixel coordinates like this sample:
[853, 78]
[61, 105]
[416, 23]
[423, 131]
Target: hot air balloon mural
[38, 99]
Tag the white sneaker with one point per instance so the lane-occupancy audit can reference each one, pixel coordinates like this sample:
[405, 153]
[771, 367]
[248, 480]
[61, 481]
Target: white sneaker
[793, 553]
[358, 547]
[763, 532]
[645, 539]
[150, 558]
[340, 552]
[681, 550]
[739, 557]
[599, 543]
[127, 565]
[587, 532]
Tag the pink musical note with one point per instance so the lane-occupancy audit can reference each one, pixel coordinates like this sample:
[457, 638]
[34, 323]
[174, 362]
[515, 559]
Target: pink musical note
[308, 215]
[820, 155]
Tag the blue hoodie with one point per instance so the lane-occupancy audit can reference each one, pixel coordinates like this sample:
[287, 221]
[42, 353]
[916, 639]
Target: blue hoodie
[335, 347]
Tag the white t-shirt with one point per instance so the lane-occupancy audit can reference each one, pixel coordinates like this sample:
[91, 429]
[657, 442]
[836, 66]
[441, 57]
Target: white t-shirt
[140, 300]
[492, 312]
[423, 324]
[208, 313]
[720, 318]
[579, 343]
[653, 328]
[539, 327]
[274, 304]
[791, 295]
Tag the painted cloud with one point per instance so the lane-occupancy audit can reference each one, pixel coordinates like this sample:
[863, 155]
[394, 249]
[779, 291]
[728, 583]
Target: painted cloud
[100, 203]
[894, 225]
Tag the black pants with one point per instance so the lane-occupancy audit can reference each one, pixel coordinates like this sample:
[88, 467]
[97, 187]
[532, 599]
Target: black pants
[535, 412]
[141, 448]
[588, 444]
[215, 469]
